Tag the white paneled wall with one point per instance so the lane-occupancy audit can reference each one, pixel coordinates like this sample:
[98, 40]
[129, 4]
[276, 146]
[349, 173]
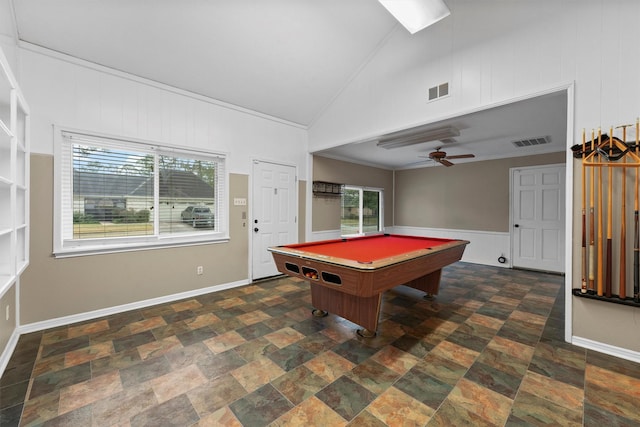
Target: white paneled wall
[70, 94]
[493, 51]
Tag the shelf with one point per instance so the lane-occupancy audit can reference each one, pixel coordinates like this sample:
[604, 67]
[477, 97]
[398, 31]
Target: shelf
[21, 267]
[615, 299]
[4, 131]
[20, 171]
[21, 127]
[6, 208]
[6, 281]
[21, 206]
[328, 189]
[21, 246]
[5, 156]
[6, 260]
[5, 100]
[14, 179]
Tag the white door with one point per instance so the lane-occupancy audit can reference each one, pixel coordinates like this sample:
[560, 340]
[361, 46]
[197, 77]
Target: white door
[274, 219]
[538, 202]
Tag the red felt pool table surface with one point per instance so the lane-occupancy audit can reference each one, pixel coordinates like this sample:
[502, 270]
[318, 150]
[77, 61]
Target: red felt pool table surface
[370, 248]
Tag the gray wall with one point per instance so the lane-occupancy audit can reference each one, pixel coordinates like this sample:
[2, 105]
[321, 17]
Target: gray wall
[326, 210]
[53, 288]
[468, 196]
[7, 326]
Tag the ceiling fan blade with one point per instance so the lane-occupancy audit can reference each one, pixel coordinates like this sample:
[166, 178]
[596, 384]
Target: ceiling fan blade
[461, 156]
[446, 162]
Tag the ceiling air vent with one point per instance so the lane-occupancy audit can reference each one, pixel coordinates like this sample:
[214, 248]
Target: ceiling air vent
[438, 91]
[532, 141]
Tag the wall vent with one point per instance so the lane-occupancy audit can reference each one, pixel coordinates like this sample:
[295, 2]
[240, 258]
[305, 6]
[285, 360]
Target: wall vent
[439, 91]
[532, 141]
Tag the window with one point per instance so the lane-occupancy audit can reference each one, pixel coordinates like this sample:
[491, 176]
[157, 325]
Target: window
[113, 194]
[361, 211]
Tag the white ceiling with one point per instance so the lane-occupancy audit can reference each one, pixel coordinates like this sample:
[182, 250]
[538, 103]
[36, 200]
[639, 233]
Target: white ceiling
[285, 58]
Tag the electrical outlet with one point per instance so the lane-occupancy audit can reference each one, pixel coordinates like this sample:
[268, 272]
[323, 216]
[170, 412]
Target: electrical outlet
[199, 270]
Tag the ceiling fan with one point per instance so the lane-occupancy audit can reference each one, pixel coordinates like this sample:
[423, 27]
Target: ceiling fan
[442, 158]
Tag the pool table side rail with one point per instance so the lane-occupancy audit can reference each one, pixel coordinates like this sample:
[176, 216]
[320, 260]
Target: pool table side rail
[421, 272]
[373, 265]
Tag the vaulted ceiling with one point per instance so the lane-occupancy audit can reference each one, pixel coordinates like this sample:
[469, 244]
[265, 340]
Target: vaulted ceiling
[285, 58]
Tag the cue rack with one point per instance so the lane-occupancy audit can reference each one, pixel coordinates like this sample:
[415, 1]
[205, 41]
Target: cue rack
[610, 167]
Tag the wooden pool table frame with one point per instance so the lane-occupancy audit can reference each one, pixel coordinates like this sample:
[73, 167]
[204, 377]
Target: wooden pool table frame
[358, 294]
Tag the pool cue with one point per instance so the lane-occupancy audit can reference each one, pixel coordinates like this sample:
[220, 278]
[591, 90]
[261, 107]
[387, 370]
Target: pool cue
[609, 272]
[583, 288]
[599, 283]
[622, 292]
[636, 231]
[592, 248]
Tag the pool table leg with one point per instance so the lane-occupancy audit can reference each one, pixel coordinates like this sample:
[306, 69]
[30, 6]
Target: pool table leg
[363, 311]
[430, 284]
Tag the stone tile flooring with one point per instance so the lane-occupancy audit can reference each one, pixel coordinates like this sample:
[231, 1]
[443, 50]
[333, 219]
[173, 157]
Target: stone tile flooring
[488, 351]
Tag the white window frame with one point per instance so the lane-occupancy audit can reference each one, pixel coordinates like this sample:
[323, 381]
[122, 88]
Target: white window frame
[68, 247]
[361, 190]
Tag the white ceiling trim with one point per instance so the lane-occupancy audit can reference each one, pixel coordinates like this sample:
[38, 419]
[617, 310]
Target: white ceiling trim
[148, 82]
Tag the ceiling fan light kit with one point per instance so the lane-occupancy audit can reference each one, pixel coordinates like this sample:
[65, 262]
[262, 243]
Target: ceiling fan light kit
[416, 15]
[437, 134]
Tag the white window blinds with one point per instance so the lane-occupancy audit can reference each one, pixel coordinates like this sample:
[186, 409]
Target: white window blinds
[118, 193]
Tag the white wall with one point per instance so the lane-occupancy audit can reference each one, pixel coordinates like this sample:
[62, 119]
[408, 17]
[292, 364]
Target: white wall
[101, 100]
[493, 51]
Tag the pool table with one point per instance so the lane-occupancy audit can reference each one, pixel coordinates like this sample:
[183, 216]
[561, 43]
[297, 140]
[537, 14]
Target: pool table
[348, 276]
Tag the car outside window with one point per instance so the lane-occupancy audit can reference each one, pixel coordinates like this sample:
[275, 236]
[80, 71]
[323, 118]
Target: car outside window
[117, 194]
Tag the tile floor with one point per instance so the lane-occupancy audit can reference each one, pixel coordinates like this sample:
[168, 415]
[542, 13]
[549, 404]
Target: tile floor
[488, 351]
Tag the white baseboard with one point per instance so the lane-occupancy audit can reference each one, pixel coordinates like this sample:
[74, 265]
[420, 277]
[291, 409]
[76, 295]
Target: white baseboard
[485, 247]
[8, 350]
[611, 350]
[81, 317]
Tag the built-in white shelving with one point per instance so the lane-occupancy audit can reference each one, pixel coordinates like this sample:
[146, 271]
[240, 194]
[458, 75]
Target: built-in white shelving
[14, 179]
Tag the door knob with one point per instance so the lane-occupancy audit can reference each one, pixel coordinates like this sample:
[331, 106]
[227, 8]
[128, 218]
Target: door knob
[256, 229]
[516, 225]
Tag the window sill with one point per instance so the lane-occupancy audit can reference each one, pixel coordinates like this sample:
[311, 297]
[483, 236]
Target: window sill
[78, 251]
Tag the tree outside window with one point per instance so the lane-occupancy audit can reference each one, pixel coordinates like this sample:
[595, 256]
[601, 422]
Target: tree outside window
[361, 211]
[115, 194]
